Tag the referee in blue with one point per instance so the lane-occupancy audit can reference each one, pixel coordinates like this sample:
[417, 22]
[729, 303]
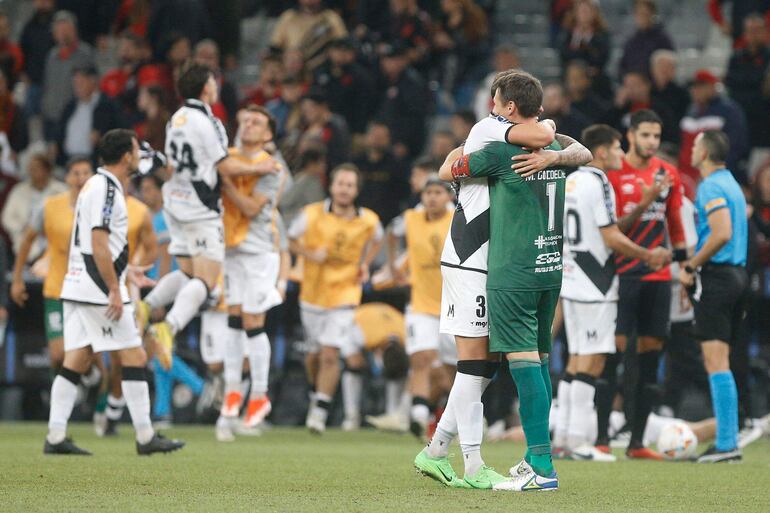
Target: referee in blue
[717, 280]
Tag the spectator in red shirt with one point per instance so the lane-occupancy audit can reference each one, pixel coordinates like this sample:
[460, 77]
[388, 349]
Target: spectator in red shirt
[739, 11]
[11, 58]
[13, 119]
[133, 16]
[269, 81]
[325, 128]
[121, 83]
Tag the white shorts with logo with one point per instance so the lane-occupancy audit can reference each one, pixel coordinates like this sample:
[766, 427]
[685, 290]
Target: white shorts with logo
[87, 325]
[590, 327]
[250, 281]
[213, 336]
[464, 303]
[329, 327]
[200, 238]
[422, 334]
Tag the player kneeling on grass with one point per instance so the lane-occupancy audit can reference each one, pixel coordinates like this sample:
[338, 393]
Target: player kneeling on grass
[590, 289]
[98, 315]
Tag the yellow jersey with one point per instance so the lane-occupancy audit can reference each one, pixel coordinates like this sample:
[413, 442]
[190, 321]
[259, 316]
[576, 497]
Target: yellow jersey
[379, 323]
[335, 282]
[424, 243]
[58, 219]
[136, 214]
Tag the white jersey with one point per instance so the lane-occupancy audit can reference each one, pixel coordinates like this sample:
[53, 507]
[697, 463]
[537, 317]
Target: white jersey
[589, 265]
[467, 243]
[195, 143]
[101, 205]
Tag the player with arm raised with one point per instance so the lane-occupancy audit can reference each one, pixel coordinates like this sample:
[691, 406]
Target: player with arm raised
[590, 289]
[517, 98]
[196, 147]
[98, 315]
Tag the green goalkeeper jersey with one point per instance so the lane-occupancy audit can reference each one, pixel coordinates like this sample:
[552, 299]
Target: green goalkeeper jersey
[526, 218]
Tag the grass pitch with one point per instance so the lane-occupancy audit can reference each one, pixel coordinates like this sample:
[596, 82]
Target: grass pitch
[289, 470]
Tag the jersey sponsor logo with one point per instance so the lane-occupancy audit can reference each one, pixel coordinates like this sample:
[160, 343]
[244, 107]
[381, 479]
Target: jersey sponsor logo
[548, 258]
[451, 312]
[478, 324]
[107, 331]
[627, 188]
[179, 120]
[551, 240]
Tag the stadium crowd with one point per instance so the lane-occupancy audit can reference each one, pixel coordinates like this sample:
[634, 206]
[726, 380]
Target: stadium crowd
[392, 86]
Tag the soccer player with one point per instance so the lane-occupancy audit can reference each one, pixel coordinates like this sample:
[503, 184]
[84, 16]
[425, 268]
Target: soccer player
[196, 146]
[649, 199]
[98, 315]
[252, 263]
[424, 229]
[338, 242]
[54, 220]
[718, 283]
[464, 273]
[590, 289]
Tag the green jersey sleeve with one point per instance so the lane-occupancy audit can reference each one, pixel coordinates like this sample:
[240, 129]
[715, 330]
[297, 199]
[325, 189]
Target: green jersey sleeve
[494, 160]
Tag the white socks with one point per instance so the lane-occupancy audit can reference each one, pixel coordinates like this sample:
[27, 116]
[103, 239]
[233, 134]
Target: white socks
[581, 414]
[320, 406]
[233, 362]
[470, 429]
[137, 395]
[115, 405]
[167, 289]
[562, 411]
[257, 348]
[64, 392]
[188, 302]
[394, 393]
[352, 389]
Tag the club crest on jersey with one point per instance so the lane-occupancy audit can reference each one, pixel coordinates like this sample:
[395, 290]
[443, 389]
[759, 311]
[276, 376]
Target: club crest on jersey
[179, 121]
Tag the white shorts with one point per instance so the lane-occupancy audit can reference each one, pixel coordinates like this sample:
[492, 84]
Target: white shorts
[329, 327]
[464, 303]
[87, 325]
[213, 336]
[422, 334]
[201, 238]
[590, 327]
[250, 281]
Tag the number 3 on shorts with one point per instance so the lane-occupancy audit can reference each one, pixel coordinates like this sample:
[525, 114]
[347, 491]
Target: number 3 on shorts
[481, 311]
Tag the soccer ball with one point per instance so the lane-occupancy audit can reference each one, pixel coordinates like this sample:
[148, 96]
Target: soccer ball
[677, 442]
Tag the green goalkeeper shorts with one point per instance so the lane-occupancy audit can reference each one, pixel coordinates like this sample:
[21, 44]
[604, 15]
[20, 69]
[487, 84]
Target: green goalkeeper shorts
[520, 320]
[54, 318]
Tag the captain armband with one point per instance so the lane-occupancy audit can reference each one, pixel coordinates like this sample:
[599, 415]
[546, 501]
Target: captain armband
[461, 167]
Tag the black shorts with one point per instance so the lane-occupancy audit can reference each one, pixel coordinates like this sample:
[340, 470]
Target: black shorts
[720, 302]
[644, 308]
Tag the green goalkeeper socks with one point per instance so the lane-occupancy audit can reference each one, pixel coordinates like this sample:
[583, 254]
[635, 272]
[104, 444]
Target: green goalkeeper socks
[534, 406]
[545, 369]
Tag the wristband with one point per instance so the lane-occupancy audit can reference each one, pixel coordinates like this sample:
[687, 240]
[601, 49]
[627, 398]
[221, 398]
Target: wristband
[461, 167]
[689, 270]
[680, 255]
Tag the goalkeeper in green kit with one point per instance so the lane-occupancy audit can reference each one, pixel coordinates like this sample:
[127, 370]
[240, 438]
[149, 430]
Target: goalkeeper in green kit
[523, 284]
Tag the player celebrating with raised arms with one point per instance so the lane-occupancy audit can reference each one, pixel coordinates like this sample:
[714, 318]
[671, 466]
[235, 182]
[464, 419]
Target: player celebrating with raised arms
[590, 289]
[338, 241]
[98, 315]
[196, 146]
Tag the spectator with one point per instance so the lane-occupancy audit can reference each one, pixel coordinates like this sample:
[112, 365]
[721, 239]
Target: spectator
[25, 196]
[648, 37]
[404, 101]
[739, 11]
[13, 119]
[68, 54]
[7, 183]
[87, 116]
[746, 75]
[36, 41]
[586, 38]
[760, 218]
[636, 94]
[285, 109]
[325, 128]
[132, 16]
[461, 123]
[268, 82]
[505, 58]
[189, 18]
[557, 13]
[11, 56]
[120, 82]
[442, 142]
[309, 28]
[579, 87]
[151, 103]
[410, 28]
[372, 19]
[94, 18]
[711, 110]
[294, 64]
[308, 184]
[556, 106]
[665, 90]
[347, 84]
[207, 53]
[421, 171]
[385, 184]
[460, 45]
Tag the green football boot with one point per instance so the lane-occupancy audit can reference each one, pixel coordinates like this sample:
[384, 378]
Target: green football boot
[484, 479]
[437, 468]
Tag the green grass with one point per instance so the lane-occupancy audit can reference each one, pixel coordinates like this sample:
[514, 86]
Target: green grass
[288, 470]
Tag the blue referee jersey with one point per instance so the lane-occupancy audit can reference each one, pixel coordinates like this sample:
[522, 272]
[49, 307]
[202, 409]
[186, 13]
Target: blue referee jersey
[721, 190]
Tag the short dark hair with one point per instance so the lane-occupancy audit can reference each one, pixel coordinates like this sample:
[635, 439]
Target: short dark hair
[348, 166]
[599, 135]
[520, 88]
[271, 123]
[155, 179]
[312, 155]
[644, 116]
[116, 143]
[192, 81]
[77, 159]
[43, 160]
[395, 361]
[717, 145]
